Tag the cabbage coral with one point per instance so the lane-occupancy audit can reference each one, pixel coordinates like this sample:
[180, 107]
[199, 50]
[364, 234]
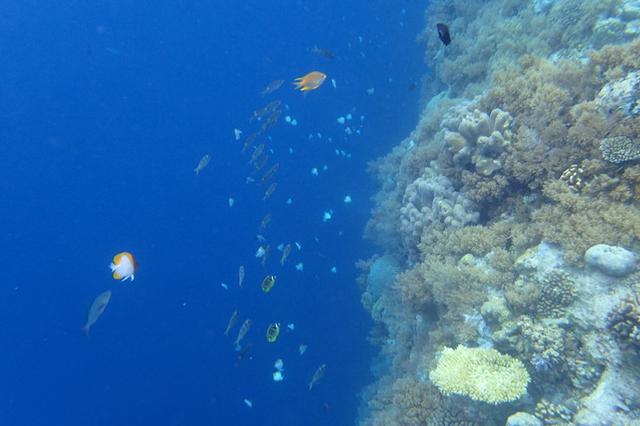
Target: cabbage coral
[481, 374]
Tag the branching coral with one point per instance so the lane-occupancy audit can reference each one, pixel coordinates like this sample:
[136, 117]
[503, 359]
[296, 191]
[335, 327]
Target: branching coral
[553, 414]
[624, 320]
[414, 289]
[481, 374]
[542, 343]
[618, 149]
[458, 287]
[411, 402]
[539, 92]
[557, 292]
[577, 222]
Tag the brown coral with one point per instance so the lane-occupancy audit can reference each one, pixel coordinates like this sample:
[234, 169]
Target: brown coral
[411, 402]
[576, 222]
[624, 320]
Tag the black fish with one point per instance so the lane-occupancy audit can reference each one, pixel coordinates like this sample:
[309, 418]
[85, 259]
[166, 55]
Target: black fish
[443, 33]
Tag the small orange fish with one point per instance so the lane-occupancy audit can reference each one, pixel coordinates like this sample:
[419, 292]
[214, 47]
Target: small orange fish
[311, 81]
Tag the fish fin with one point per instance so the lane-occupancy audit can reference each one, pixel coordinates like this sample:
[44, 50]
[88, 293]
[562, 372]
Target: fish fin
[116, 275]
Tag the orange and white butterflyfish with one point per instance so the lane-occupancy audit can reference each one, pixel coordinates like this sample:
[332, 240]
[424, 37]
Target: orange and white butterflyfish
[311, 81]
[123, 266]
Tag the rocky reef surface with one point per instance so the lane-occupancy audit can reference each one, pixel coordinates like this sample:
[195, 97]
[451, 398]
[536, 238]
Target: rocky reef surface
[507, 287]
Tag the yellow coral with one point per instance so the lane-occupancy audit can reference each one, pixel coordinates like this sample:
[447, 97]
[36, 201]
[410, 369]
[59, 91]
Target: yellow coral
[481, 374]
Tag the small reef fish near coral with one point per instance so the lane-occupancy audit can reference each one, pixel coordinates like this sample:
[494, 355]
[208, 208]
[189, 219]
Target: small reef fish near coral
[443, 33]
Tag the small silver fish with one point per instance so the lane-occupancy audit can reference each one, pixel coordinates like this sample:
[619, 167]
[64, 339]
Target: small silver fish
[285, 253]
[266, 220]
[270, 190]
[232, 322]
[270, 108]
[243, 331]
[204, 162]
[267, 252]
[260, 162]
[270, 173]
[97, 308]
[272, 87]
[270, 121]
[249, 140]
[240, 276]
[256, 153]
[317, 376]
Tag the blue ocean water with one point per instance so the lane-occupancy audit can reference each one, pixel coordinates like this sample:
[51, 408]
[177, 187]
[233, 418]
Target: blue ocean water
[105, 110]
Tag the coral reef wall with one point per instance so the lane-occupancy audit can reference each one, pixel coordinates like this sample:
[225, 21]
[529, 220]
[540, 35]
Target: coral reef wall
[508, 224]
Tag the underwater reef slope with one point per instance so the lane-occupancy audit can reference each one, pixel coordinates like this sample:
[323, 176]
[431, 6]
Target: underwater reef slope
[506, 290]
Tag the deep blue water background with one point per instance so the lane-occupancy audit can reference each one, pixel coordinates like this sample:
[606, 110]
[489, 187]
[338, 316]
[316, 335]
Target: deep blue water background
[105, 109]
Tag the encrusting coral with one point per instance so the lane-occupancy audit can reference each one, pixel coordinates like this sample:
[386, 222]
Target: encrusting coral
[481, 374]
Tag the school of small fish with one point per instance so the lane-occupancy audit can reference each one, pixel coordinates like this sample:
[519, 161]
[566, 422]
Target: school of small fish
[264, 174]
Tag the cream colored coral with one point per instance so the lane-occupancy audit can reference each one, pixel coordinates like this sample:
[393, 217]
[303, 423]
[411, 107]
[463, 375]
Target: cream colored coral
[481, 374]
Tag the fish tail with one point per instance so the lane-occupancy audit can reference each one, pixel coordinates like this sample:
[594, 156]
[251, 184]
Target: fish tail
[85, 329]
[196, 171]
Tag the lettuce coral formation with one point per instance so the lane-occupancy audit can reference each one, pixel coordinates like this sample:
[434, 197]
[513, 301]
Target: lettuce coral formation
[481, 374]
[527, 158]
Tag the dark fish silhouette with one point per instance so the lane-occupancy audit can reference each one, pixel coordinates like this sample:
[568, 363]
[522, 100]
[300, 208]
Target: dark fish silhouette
[443, 33]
